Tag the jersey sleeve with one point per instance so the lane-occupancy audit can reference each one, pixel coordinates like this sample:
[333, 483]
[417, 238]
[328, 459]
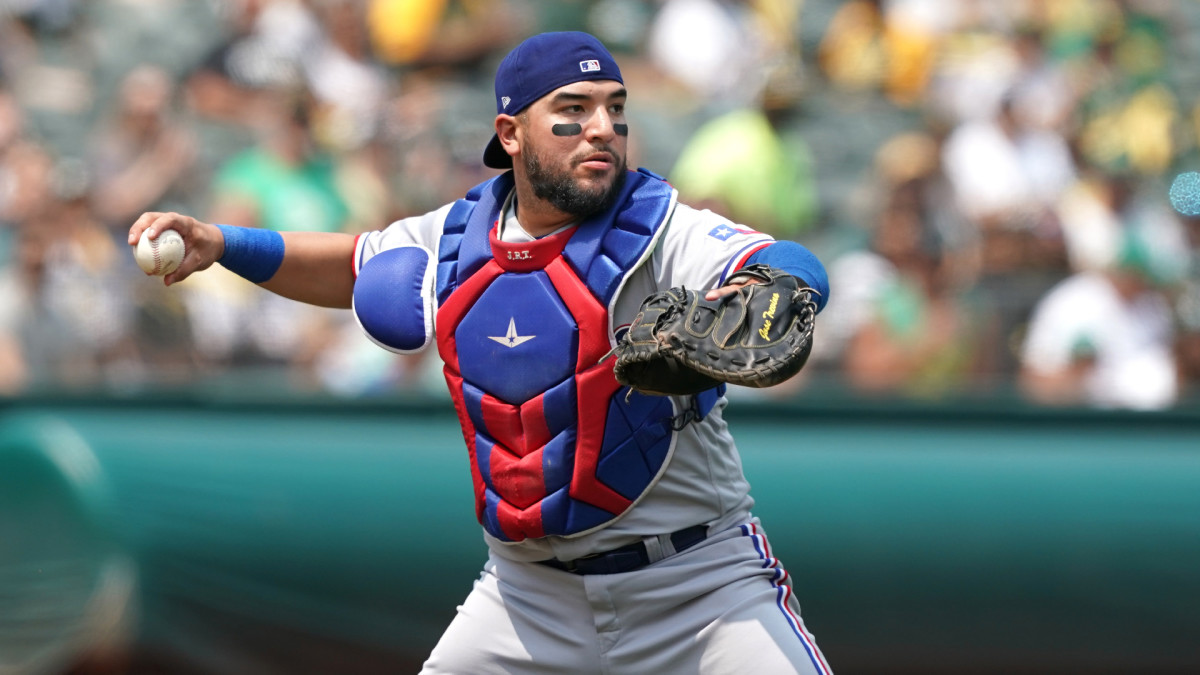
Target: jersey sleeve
[423, 231]
[395, 296]
[701, 249]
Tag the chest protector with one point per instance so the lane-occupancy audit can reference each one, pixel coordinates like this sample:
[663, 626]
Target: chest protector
[557, 447]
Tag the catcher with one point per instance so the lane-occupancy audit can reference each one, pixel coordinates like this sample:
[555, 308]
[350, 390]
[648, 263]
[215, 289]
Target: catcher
[614, 508]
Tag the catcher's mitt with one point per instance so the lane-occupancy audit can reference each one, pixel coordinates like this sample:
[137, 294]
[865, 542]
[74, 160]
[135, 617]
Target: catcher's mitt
[680, 343]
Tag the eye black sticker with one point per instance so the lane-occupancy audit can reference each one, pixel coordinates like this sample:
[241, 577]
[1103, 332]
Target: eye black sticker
[576, 129]
[567, 129]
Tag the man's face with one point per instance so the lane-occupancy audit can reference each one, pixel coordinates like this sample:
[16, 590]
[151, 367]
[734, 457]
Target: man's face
[574, 146]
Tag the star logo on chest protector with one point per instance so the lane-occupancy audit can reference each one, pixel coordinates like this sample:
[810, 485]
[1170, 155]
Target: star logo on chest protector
[510, 338]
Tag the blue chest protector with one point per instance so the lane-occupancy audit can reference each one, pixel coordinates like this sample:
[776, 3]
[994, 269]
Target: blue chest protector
[557, 446]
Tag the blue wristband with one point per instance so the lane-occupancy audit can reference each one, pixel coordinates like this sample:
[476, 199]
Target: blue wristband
[252, 253]
[797, 261]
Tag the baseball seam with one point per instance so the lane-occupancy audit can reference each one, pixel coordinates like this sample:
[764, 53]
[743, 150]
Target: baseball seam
[157, 259]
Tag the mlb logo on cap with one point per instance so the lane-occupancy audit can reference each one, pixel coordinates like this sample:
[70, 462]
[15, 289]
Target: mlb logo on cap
[590, 66]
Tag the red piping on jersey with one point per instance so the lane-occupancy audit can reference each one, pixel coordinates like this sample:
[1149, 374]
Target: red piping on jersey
[746, 256]
[354, 256]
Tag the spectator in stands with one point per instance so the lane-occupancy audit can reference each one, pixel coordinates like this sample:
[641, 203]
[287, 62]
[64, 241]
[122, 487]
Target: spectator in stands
[284, 182]
[746, 44]
[1058, 98]
[745, 165]
[916, 336]
[1103, 338]
[142, 155]
[263, 52]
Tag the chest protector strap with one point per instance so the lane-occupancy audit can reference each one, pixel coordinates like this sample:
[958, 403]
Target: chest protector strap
[556, 445]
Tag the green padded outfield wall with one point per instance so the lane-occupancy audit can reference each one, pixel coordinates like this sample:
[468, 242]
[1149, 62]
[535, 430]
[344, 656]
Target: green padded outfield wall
[193, 536]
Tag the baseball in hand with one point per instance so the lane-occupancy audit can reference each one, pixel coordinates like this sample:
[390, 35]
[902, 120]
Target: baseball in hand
[161, 255]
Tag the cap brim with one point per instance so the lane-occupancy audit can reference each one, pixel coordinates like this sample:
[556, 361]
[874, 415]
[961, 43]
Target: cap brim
[494, 155]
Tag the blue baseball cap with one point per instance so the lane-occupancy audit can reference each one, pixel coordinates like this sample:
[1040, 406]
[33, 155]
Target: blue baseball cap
[538, 66]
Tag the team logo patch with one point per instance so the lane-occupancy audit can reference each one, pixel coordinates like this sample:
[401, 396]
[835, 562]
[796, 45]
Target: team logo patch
[724, 232]
[589, 66]
[504, 101]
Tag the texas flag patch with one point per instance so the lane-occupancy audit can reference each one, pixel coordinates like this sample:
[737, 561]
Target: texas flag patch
[724, 232]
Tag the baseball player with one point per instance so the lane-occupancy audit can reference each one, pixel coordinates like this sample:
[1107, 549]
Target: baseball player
[618, 524]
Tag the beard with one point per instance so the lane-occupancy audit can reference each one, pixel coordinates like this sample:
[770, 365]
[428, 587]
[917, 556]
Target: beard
[562, 191]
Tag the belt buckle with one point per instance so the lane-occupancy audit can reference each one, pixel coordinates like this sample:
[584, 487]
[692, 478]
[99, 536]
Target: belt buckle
[574, 566]
[629, 557]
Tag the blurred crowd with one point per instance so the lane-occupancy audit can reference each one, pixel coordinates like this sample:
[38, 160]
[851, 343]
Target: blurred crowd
[986, 180]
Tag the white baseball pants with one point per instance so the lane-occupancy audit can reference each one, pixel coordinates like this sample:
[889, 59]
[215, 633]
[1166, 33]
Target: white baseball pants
[722, 607]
